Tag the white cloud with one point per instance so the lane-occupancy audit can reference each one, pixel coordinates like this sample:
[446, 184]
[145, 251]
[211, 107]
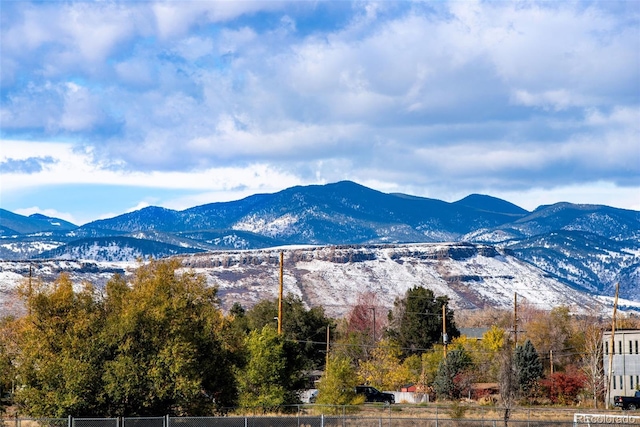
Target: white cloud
[135, 71]
[76, 167]
[435, 97]
[53, 213]
[605, 193]
[81, 109]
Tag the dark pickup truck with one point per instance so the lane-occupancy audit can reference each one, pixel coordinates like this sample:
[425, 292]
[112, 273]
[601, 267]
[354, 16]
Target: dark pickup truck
[372, 394]
[628, 402]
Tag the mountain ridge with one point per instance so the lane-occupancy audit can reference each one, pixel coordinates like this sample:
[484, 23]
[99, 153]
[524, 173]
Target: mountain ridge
[587, 247]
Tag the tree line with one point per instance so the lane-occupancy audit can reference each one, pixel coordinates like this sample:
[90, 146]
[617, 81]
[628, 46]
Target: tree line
[160, 343]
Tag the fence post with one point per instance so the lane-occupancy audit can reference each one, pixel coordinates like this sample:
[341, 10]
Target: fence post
[166, 420]
[321, 420]
[70, 421]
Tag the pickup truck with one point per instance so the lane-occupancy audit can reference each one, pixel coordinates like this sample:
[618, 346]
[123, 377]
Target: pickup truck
[372, 394]
[628, 402]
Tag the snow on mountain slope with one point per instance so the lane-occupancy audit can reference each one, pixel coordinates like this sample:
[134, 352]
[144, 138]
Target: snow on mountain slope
[472, 275]
[14, 273]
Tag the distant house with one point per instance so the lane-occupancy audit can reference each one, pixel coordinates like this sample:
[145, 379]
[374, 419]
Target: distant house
[473, 333]
[624, 378]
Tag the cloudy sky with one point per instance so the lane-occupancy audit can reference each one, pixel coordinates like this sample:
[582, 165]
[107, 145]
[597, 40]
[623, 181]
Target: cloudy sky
[110, 106]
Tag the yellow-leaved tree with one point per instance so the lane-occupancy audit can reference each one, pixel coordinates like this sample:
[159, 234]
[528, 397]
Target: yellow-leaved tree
[384, 368]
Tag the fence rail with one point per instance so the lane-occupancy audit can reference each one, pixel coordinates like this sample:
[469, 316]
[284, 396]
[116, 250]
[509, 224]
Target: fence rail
[284, 421]
[369, 415]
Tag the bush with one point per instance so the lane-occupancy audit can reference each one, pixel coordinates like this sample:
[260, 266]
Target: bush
[564, 387]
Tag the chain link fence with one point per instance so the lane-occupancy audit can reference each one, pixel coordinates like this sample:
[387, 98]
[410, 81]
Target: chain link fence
[343, 416]
[289, 421]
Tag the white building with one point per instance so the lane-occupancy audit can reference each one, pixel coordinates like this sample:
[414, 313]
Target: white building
[625, 371]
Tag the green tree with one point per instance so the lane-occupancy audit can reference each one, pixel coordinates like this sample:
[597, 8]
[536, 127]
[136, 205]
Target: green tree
[452, 377]
[416, 320]
[307, 327]
[7, 368]
[273, 373]
[166, 354]
[59, 351]
[430, 362]
[353, 345]
[528, 367]
[146, 347]
[337, 385]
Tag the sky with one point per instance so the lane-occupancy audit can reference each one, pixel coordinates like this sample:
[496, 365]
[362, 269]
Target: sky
[110, 106]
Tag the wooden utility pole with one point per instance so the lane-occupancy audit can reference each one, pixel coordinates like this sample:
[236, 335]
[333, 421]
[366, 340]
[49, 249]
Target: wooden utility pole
[373, 309]
[326, 363]
[30, 288]
[280, 293]
[612, 347]
[444, 330]
[515, 319]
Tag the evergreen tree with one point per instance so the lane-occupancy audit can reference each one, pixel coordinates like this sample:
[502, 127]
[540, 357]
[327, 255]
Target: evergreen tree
[416, 321]
[450, 379]
[528, 367]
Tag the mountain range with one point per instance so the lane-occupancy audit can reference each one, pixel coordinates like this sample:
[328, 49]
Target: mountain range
[587, 248]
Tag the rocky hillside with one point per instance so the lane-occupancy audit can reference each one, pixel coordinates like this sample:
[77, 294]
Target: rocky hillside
[472, 275]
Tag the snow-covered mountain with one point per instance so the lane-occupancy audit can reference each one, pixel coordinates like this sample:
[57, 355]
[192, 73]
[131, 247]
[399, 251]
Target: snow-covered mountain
[587, 247]
[472, 275]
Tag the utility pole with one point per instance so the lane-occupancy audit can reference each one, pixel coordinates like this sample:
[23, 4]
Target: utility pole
[515, 319]
[326, 363]
[280, 294]
[612, 347]
[30, 288]
[373, 309]
[445, 338]
[551, 360]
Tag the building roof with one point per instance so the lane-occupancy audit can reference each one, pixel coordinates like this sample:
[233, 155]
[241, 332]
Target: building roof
[476, 333]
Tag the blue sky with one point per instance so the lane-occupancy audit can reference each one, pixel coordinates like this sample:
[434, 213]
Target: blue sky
[107, 107]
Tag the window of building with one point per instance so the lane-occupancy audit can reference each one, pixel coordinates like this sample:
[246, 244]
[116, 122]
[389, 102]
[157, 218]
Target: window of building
[631, 382]
[620, 347]
[630, 347]
[614, 382]
[621, 382]
[606, 347]
[636, 346]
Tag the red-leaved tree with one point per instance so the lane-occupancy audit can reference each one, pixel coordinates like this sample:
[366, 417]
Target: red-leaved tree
[564, 387]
